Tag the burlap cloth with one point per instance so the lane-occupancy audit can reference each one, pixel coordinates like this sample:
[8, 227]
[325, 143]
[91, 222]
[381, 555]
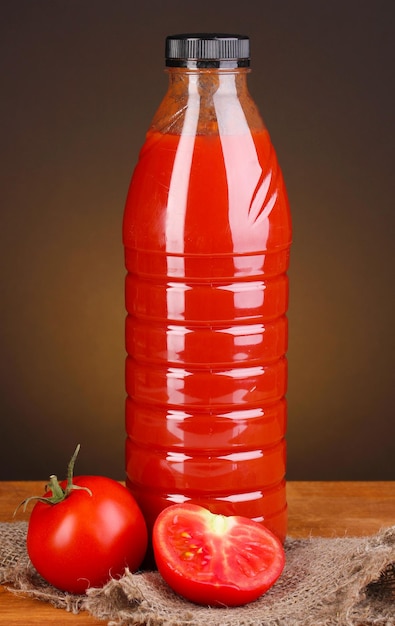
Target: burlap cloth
[346, 581]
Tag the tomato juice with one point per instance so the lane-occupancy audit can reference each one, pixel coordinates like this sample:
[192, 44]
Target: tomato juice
[207, 234]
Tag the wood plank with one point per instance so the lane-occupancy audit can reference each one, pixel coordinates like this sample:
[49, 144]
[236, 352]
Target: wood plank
[17, 610]
[329, 509]
[12, 493]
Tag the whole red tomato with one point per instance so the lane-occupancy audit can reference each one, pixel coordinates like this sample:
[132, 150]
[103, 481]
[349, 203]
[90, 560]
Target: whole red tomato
[90, 535]
[215, 559]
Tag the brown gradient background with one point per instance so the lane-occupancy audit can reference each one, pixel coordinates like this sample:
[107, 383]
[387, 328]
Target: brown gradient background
[80, 81]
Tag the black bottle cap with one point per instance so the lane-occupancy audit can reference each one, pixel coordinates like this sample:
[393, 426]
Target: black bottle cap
[205, 50]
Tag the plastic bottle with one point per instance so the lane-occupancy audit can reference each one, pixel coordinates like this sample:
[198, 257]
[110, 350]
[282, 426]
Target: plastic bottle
[207, 234]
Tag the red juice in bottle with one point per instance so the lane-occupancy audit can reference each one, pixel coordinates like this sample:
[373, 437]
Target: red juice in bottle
[207, 233]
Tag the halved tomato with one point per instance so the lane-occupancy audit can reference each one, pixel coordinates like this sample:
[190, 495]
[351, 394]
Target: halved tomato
[214, 559]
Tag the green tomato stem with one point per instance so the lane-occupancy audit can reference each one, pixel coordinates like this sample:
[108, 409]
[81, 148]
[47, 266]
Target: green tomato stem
[58, 494]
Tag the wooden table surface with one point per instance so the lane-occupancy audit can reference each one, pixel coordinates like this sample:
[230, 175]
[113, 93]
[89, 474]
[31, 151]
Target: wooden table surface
[326, 509]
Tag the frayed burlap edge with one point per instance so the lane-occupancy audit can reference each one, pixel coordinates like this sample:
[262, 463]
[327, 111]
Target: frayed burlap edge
[344, 581]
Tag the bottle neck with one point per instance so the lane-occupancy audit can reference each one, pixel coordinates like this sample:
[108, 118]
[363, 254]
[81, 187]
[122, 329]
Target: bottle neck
[203, 101]
[211, 78]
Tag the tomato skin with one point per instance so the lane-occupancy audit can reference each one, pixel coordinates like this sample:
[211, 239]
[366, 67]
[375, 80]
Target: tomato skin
[213, 559]
[84, 540]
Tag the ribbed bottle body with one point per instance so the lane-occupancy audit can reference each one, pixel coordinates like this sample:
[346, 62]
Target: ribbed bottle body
[207, 235]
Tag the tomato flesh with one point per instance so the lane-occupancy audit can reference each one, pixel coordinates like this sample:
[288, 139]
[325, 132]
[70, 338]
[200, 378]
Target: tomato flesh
[87, 538]
[213, 559]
